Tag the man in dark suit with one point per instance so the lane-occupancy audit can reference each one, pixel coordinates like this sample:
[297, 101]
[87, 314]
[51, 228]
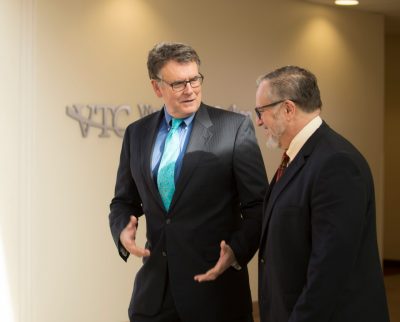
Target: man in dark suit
[203, 209]
[318, 256]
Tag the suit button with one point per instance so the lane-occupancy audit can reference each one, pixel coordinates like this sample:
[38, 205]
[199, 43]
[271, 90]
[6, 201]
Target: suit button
[262, 261]
[168, 221]
[164, 253]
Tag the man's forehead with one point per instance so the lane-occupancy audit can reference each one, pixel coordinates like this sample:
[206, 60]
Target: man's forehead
[263, 89]
[179, 70]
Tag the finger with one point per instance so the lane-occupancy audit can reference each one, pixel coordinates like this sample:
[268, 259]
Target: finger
[141, 252]
[221, 265]
[224, 248]
[227, 253]
[210, 275]
[130, 245]
[134, 220]
[131, 228]
[138, 251]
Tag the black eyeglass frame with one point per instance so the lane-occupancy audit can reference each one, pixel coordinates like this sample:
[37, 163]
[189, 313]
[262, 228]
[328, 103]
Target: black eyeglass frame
[260, 109]
[184, 83]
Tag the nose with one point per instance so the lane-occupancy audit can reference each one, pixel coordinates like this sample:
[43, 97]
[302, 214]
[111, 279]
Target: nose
[259, 121]
[188, 88]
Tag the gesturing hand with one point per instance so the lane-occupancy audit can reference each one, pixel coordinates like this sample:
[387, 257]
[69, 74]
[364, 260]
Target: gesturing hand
[226, 259]
[128, 236]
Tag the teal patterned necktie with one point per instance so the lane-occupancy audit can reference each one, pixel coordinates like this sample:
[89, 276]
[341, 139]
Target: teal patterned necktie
[166, 170]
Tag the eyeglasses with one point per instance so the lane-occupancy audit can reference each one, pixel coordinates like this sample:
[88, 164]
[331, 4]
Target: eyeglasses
[181, 85]
[259, 110]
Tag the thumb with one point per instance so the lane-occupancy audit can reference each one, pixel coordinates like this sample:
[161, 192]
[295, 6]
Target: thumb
[133, 220]
[224, 247]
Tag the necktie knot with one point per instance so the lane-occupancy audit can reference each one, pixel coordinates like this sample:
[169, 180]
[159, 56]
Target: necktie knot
[175, 123]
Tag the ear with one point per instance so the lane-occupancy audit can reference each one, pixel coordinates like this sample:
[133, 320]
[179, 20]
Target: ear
[290, 109]
[156, 87]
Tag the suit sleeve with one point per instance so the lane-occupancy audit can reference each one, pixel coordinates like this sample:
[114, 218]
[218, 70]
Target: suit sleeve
[126, 201]
[251, 182]
[339, 203]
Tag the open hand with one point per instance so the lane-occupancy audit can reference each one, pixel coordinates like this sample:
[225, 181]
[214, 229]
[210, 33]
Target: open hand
[226, 259]
[128, 236]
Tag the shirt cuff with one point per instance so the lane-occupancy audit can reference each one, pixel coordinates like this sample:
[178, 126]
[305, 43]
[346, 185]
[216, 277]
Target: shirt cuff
[236, 266]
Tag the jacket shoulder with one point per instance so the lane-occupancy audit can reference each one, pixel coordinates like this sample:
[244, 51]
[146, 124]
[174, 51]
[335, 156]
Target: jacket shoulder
[143, 122]
[220, 113]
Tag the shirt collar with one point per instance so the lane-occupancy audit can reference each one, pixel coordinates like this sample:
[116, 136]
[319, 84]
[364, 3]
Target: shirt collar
[186, 120]
[301, 138]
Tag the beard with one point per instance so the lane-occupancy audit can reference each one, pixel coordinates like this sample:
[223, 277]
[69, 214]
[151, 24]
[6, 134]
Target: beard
[275, 133]
[272, 142]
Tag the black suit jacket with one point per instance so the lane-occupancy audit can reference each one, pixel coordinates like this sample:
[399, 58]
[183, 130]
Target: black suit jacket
[318, 257]
[218, 196]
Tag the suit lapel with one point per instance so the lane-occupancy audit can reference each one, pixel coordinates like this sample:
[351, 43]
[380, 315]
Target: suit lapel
[147, 142]
[293, 169]
[198, 142]
[277, 187]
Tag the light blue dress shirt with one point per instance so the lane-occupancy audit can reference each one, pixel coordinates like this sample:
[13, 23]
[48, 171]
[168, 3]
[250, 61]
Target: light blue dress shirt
[184, 134]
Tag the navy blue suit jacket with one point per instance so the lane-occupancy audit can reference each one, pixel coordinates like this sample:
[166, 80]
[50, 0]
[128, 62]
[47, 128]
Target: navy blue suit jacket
[318, 257]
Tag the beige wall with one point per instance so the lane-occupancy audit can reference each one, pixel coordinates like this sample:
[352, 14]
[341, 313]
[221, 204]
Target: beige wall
[13, 65]
[392, 142]
[60, 258]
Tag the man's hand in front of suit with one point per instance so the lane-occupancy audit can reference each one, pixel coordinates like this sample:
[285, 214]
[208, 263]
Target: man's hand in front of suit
[128, 236]
[226, 259]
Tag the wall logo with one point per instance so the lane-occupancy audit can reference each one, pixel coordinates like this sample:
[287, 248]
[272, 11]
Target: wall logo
[107, 118]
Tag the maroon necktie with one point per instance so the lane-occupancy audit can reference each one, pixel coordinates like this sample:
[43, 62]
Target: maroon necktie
[282, 166]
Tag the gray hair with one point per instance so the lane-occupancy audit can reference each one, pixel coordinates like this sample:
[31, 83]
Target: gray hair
[164, 52]
[294, 83]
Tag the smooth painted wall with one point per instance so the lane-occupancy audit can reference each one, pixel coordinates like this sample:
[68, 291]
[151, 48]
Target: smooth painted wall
[392, 142]
[59, 255]
[12, 166]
